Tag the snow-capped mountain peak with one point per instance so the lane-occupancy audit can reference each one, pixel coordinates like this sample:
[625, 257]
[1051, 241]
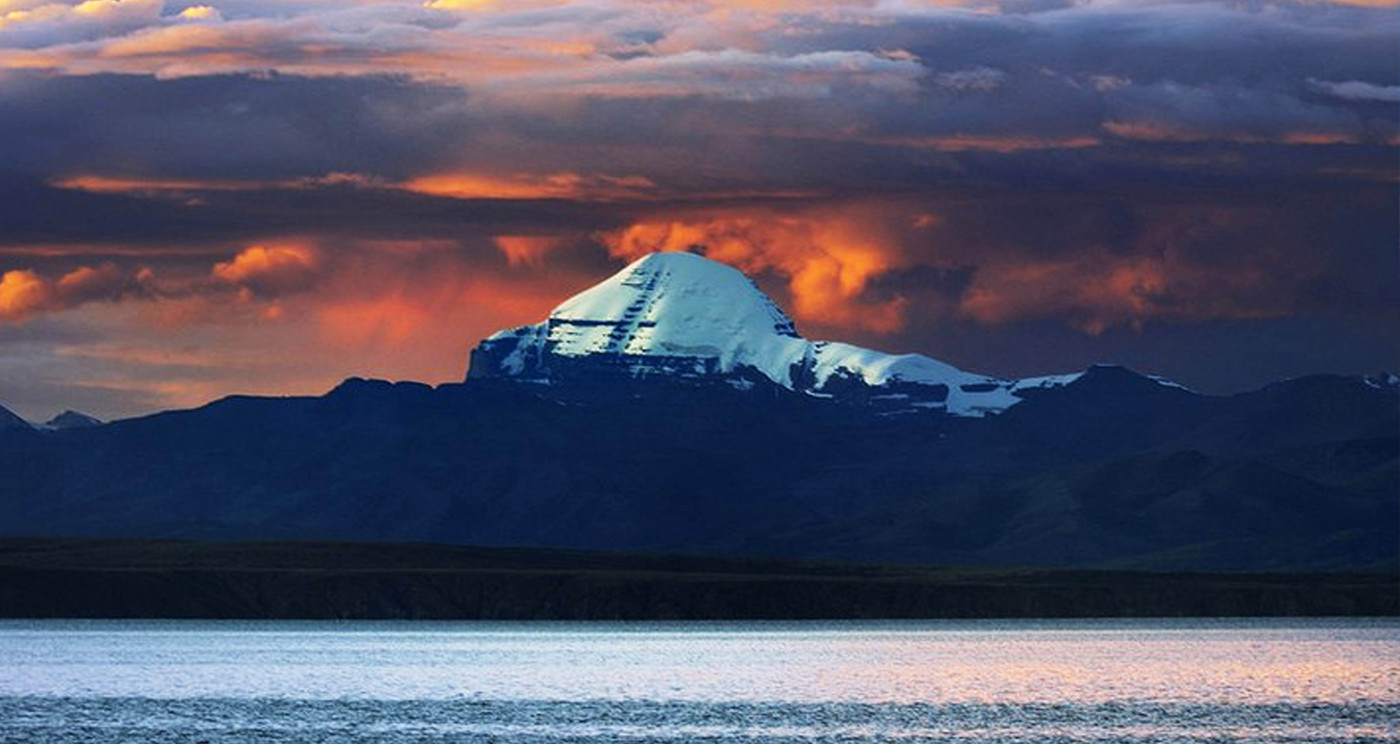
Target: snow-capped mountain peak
[670, 305]
[684, 317]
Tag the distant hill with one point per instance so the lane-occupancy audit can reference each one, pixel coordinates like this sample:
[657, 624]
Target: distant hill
[72, 420]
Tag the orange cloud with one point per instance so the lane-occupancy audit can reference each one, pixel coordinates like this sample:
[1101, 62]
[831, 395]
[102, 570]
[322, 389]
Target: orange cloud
[149, 186]
[1096, 290]
[271, 270]
[398, 309]
[86, 282]
[590, 187]
[456, 185]
[200, 42]
[142, 186]
[118, 13]
[267, 281]
[200, 13]
[1150, 131]
[529, 62]
[828, 257]
[832, 258]
[24, 293]
[416, 316]
[1093, 294]
[1319, 138]
[594, 187]
[106, 7]
[53, 250]
[527, 250]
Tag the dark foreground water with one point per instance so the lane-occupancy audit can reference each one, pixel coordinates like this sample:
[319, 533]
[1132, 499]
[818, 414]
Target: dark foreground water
[989, 681]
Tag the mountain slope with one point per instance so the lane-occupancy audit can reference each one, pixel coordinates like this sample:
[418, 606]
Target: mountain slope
[1161, 511]
[11, 422]
[494, 463]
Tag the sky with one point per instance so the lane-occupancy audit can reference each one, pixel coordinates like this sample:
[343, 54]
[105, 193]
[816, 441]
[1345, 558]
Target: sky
[269, 196]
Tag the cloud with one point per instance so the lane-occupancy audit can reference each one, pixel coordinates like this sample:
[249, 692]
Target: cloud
[739, 75]
[1356, 90]
[1095, 291]
[538, 55]
[1171, 112]
[877, 269]
[1004, 144]
[1166, 263]
[1361, 3]
[24, 293]
[528, 250]
[256, 272]
[186, 187]
[34, 25]
[570, 87]
[453, 185]
[492, 6]
[398, 309]
[982, 79]
[271, 270]
[592, 187]
[200, 13]
[827, 258]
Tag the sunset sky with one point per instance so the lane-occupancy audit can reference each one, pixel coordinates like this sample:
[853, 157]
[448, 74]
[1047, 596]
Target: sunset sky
[268, 196]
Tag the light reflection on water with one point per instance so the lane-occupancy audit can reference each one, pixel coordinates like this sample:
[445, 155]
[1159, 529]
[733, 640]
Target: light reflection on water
[982, 681]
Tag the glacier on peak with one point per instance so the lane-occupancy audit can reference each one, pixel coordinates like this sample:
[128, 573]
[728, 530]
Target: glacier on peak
[684, 316]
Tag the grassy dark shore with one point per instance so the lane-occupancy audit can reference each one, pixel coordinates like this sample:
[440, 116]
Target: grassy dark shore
[173, 579]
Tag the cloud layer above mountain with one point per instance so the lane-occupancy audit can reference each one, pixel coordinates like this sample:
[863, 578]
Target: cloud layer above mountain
[270, 195]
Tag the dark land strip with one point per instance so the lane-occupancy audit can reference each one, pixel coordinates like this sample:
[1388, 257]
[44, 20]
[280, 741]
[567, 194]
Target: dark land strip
[81, 578]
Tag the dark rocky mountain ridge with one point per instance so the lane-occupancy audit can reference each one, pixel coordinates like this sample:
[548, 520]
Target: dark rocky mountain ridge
[1144, 477]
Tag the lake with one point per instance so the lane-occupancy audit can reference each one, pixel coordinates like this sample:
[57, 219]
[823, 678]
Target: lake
[924, 681]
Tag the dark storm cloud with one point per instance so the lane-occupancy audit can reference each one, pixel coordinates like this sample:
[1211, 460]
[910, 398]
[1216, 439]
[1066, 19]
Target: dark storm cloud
[1215, 70]
[229, 127]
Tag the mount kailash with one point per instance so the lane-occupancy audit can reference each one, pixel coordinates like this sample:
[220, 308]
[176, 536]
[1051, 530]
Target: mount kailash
[682, 317]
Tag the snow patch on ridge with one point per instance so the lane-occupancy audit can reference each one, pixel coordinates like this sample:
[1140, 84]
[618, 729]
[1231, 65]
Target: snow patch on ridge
[1046, 381]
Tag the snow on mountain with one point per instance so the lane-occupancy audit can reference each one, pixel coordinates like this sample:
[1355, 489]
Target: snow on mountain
[1048, 381]
[679, 305]
[687, 317]
[71, 420]
[1383, 381]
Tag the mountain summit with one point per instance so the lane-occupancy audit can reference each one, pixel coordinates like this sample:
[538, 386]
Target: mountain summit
[684, 317]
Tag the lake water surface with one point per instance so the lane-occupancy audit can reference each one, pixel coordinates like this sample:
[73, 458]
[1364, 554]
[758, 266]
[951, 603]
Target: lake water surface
[936, 681]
